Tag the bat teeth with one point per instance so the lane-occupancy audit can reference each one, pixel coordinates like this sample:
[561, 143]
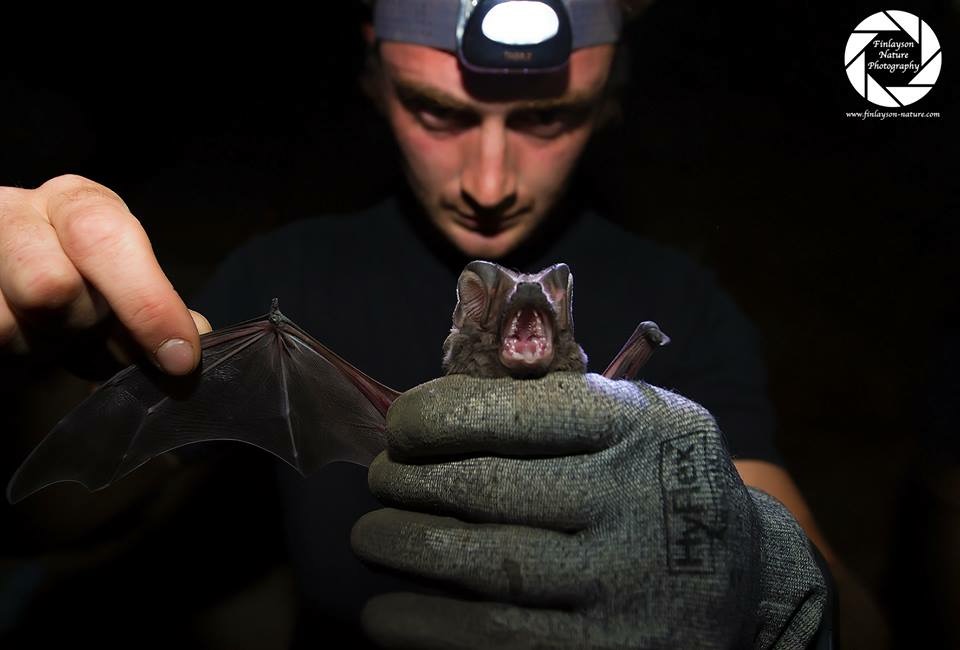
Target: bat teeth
[535, 325]
[527, 342]
[538, 324]
[531, 352]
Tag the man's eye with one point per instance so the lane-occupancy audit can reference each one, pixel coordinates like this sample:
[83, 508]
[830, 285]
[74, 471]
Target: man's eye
[546, 123]
[441, 118]
[545, 117]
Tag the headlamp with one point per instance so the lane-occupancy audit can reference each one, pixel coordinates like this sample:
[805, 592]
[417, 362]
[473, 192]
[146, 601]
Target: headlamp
[501, 36]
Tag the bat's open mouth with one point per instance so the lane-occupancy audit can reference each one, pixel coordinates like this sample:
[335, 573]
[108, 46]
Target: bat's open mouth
[526, 344]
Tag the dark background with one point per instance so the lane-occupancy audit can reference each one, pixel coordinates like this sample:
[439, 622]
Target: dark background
[835, 234]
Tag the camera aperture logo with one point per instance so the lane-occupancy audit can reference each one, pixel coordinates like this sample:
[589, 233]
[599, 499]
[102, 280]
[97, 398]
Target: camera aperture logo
[893, 58]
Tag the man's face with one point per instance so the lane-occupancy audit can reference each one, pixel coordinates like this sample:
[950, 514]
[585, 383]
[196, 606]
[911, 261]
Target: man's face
[489, 157]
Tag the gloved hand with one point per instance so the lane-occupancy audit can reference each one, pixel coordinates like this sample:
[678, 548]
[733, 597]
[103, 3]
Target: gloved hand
[575, 511]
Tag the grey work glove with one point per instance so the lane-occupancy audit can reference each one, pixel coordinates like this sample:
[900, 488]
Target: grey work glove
[576, 511]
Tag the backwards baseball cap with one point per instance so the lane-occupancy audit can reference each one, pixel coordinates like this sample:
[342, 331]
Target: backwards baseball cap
[501, 36]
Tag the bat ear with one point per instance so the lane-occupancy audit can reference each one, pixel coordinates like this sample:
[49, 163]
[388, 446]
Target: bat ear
[557, 282]
[475, 289]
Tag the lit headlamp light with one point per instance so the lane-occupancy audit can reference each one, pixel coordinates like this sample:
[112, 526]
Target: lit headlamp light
[501, 35]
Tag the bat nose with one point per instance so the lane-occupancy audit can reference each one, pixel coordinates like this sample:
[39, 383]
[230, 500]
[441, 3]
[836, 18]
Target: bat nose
[528, 291]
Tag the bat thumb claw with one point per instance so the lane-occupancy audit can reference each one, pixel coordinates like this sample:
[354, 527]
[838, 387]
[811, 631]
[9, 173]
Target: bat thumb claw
[653, 333]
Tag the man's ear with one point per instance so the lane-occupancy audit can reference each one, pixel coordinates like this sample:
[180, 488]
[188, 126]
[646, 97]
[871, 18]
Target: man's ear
[369, 36]
[371, 81]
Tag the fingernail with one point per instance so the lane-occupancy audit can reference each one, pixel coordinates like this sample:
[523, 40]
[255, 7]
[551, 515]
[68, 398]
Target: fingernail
[175, 357]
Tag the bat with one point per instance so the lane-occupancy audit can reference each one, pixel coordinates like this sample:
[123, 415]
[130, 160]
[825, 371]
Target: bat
[269, 383]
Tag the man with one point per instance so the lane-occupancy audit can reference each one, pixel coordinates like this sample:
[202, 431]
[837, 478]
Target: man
[487, 155]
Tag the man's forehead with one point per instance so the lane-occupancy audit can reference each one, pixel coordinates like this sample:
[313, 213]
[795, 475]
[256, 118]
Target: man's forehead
[439, 74]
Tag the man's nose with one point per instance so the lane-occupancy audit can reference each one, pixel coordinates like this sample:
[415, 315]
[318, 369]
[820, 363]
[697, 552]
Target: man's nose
[488, 181]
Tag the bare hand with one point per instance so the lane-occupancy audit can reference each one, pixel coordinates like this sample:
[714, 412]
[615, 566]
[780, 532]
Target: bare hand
[71, 253]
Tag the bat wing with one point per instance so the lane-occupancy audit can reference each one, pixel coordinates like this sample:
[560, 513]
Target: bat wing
[265, 382]
[636, 351]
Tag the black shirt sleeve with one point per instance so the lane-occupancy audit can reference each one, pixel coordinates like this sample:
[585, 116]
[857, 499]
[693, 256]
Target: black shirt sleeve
[720, 365]
[250, 277]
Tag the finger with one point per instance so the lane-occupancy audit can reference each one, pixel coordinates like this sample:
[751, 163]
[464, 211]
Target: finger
[37, 279]
[110, 249]
[515, 563]
[561, 413]
[560, 493]
[403, 620]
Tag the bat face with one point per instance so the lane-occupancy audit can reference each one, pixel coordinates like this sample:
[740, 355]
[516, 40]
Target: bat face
[512, 324]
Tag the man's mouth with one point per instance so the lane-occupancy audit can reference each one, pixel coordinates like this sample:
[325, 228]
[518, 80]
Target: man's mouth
[526, 343]
[486, 224]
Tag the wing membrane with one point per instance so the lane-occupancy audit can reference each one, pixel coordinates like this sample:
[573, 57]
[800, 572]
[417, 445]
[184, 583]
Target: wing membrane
[265, 382]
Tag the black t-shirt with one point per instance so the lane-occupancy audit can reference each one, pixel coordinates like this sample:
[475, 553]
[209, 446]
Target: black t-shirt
[378, 288]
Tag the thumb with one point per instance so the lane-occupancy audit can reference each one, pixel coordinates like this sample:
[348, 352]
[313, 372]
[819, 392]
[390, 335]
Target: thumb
[203, 325]
[125, 351]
